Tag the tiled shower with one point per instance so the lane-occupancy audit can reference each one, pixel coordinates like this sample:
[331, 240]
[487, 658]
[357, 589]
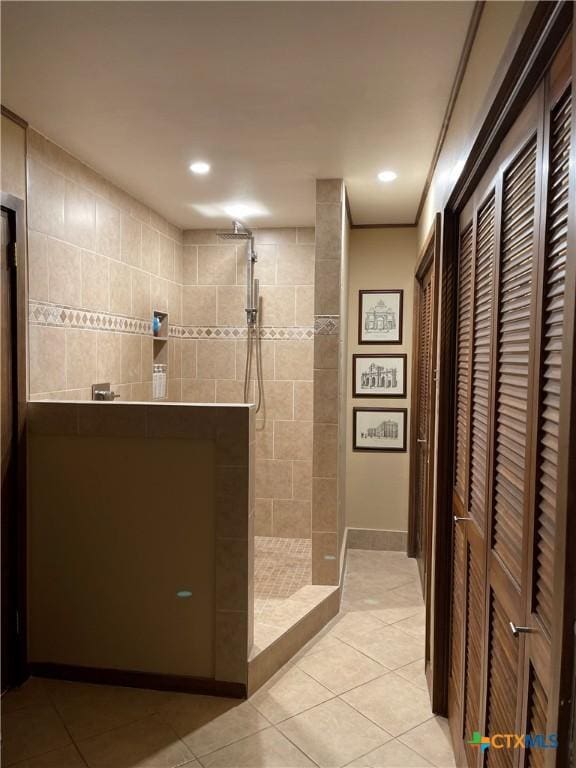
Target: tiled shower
[101, 263]
[214, 331]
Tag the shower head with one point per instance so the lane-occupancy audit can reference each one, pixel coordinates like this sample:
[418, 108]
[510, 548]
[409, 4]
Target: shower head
[239, 232]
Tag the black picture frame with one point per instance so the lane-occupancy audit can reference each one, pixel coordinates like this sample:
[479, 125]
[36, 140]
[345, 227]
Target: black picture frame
[362, 331]
[386, 395]
[401, 448]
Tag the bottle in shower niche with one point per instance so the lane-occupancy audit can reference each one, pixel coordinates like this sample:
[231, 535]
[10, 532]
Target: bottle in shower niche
[159, 383]
[155, 382]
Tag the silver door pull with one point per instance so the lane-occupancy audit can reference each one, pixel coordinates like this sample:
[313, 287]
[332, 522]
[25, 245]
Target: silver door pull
[461, 519]
[420, 440]
[519, 630]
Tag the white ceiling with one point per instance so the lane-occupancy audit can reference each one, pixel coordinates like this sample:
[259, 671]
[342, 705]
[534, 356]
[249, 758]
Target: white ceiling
[272, 94]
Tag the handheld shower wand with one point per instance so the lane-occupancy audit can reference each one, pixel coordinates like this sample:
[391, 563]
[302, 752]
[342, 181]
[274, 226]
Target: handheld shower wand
[241, 232]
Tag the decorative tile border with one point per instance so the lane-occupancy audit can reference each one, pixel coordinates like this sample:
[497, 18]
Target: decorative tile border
[67, 317]
[327, 325]
[239, 332]
[43, 313]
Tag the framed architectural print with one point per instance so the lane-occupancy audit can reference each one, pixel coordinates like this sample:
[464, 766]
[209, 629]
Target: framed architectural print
[380, 317]
[379, 375]
[380, 429]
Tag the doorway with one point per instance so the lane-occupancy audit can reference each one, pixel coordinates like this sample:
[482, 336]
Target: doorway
[423, 428]
[423, 397]
[12, 508]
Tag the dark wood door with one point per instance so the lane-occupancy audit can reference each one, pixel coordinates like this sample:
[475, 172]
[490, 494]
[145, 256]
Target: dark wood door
[542, 608]
[476, 286]
[422, 438]
[510, 335]
[423, 431]
[496, 304]
[9, 448]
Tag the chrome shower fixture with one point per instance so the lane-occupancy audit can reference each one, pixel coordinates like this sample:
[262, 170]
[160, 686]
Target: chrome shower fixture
[241, 232]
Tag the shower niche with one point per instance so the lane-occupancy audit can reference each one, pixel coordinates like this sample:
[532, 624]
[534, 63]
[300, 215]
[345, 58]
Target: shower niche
[160, 328]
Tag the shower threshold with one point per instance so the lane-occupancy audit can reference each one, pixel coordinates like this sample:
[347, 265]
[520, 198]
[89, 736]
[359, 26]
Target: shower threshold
[288, 609]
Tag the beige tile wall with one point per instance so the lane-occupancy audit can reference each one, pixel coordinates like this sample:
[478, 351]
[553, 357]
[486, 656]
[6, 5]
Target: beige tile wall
[94, 249]
[199, 541]
[213, 368]
[329, 382]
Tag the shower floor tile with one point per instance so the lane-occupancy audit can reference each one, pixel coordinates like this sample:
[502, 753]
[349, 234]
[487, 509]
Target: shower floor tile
[281, 567]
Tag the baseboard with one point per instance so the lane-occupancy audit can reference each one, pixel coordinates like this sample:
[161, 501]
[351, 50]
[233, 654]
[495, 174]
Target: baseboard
[377, 538]
[132, 679]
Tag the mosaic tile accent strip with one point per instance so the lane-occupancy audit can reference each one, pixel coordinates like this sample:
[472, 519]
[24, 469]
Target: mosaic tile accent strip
[327, 325]
[44, 313]
[240, 332]
[282, 566]
[67, 317]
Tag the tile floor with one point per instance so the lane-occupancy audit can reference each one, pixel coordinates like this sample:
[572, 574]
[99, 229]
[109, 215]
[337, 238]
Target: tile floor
[283, 591]
[281, 566]
[355, 696]
[278, 615]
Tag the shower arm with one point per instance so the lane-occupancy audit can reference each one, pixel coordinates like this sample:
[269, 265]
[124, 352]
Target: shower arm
[241, 232]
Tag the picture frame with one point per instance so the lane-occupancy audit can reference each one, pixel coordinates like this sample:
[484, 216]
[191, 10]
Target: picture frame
[379, 375]
[383, 430]
[380, 316]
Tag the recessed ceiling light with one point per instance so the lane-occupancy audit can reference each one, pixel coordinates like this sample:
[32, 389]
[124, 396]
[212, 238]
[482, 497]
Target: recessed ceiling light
[200, 168]
[233, 209]
[387, 176]
[244, 210]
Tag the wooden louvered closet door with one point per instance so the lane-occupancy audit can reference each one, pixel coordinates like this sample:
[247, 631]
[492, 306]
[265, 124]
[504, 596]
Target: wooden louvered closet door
[512, 256]
[545, 405]
[513, 362]
[473, 388]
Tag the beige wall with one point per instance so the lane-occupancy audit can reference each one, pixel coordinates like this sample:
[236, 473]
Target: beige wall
[496, 26]
[13, 166]
[108, 552]
[99, 263]
[213, 353]
[377, 484]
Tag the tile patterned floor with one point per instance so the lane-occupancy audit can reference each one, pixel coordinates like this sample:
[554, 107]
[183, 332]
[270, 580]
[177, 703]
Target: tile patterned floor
[274, 617]
[355, 696]
[281, 567]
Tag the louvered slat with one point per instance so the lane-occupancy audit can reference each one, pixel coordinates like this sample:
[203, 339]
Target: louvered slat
[457, 611]
[515, 291]
[502, 683]
[552, 319]
[463, 353]
[537, 719]
[482, 335]
[474, 625]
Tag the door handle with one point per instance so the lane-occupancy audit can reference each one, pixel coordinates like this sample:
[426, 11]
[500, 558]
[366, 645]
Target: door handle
[419, 440]
[461, 519]
[519, 630]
